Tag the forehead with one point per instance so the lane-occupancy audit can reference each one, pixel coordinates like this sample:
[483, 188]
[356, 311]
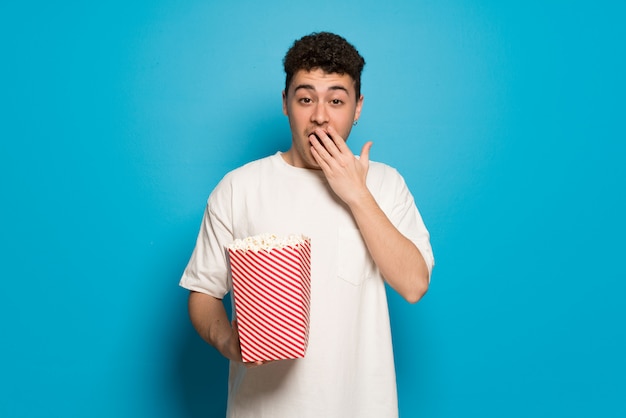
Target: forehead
[319, 81]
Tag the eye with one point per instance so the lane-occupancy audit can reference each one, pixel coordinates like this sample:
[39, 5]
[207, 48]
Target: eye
[305, 100]
[336, 102]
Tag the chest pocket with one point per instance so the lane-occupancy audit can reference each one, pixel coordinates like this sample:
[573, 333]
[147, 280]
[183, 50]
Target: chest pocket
[355, 263]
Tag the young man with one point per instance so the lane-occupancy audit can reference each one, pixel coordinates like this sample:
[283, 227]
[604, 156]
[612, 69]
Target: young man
[365, 230]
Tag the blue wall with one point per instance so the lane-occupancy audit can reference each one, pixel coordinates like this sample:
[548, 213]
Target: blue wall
[506, 118]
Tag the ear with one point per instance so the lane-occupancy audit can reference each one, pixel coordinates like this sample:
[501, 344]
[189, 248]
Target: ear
[285, 103]
[359, 106]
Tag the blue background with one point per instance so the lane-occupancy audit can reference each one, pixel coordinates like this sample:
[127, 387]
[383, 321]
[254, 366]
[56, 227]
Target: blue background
[506, 119]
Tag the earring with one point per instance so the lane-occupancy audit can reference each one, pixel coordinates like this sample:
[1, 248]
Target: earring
[356, 121]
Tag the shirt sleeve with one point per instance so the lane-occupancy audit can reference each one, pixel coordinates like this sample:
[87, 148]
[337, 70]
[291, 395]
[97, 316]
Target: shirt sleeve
[407, 218]
[207, 270]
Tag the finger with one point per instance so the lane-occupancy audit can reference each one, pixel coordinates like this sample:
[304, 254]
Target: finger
[339, 142]
[365, 152]
[256, 363]
[322, 147]
[324, 143]
[318, 158]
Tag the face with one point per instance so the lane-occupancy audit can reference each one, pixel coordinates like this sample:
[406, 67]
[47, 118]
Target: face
[314, 100]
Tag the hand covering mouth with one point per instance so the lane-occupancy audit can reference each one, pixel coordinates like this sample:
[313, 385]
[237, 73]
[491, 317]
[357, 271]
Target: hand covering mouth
[319, 140]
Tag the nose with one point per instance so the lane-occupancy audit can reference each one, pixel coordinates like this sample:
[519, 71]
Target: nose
[320, 114]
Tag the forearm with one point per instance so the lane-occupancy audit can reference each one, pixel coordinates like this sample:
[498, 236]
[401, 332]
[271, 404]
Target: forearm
[210, 320]
[398, 259]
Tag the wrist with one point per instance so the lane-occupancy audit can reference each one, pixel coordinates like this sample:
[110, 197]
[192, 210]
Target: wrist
[360, 200]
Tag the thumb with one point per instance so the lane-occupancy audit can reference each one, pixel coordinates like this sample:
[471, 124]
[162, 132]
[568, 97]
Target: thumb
[365, 152]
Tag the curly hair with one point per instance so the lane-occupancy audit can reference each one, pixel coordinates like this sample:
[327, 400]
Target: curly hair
[326, 51]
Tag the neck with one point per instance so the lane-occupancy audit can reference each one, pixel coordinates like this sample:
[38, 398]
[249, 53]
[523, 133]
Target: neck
[288, 157]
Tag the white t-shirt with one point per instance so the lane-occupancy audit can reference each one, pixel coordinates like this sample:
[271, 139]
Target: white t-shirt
[348, 370]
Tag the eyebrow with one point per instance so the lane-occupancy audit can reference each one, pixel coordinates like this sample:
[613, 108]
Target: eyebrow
[312, 88]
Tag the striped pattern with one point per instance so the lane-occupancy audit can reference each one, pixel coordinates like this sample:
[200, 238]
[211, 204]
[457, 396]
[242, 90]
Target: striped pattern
[272, 291]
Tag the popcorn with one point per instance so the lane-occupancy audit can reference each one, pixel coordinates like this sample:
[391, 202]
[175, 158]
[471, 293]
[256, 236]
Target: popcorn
[267, 242]
[272, 290]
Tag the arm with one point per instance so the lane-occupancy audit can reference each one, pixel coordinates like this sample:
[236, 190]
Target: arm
[209, 318]
[398, 259]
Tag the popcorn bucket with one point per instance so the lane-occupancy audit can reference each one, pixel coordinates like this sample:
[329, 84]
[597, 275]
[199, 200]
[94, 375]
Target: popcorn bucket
[272, 291]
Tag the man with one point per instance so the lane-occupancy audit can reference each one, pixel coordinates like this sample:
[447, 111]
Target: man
[365, 230]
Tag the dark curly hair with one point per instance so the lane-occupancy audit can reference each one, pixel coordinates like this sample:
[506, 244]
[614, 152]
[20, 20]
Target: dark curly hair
[326, 51]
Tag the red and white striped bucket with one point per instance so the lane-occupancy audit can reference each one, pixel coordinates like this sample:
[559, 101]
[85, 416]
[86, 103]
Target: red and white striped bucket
[272, 290]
